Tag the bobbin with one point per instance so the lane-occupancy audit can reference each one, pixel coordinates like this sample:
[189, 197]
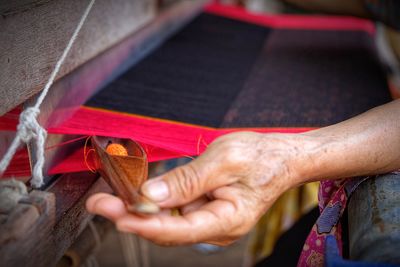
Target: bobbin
[125, 174]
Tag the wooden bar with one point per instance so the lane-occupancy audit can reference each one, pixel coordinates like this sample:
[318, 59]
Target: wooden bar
[33, 35]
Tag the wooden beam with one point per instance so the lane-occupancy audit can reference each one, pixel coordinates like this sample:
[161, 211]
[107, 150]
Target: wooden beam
[33, 35]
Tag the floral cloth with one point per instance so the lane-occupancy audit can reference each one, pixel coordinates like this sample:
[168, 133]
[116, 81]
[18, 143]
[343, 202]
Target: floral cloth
[332, 197]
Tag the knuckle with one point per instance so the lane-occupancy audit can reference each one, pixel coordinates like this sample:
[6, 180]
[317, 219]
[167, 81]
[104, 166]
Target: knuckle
[235, 152]
[231, 154]
[187, 182]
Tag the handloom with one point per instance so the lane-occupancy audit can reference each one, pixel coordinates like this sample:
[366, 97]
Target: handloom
[229, 70]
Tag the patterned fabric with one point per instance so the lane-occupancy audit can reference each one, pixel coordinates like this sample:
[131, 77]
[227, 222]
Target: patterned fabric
[333, 196]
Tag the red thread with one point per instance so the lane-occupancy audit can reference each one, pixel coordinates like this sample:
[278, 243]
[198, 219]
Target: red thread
[162, 139]
[66, 142]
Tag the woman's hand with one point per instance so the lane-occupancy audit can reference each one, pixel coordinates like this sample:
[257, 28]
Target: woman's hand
[221, 194]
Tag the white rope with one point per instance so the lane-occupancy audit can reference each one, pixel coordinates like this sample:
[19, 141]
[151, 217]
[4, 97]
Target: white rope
[95, 233]
[28, 128]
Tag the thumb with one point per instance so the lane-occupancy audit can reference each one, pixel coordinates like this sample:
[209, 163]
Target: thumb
[179, 186]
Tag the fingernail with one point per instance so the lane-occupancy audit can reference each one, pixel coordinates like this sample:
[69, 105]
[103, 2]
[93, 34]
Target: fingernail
[156, 190]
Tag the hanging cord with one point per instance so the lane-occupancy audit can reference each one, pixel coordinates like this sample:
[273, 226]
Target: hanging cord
[130, 249]
[28, 127]
[91, 260]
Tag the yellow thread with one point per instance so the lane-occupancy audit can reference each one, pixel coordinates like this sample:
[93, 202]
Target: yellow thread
[85, 155]
[204, 143]
[198, 144]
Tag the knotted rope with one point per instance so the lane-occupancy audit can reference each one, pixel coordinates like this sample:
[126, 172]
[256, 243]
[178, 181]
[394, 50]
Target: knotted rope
[28, 128]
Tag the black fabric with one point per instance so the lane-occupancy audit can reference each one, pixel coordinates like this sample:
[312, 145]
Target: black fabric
[289, 246]
[193, 77]
[310, 78]
[220, 72]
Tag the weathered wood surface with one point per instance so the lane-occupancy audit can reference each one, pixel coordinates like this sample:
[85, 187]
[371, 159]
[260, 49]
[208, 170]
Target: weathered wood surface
[51, 222]
[33, 35]
[374, 220]
[8, 8]
[86, 244]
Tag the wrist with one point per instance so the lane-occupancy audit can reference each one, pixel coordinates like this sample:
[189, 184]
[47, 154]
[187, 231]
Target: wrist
[303, 155]
[317, 158]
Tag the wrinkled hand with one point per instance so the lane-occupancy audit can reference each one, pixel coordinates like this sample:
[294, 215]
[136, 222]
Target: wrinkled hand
[221, 194]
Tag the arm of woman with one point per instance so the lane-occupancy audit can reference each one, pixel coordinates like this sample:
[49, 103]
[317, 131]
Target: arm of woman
[366, 144]
[224, 192]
